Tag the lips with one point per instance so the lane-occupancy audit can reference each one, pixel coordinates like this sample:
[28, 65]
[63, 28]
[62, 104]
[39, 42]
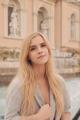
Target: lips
[41, 56]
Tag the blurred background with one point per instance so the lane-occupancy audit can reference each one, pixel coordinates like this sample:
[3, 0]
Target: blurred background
[59, 21]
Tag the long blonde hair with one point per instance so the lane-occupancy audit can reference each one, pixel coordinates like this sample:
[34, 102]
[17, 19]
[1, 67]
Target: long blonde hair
[30, 82]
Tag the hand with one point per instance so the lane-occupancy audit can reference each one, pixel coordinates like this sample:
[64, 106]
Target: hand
[44, 112]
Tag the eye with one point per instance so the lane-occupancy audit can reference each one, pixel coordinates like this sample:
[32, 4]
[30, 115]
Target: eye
[43, 45]
[32, 48]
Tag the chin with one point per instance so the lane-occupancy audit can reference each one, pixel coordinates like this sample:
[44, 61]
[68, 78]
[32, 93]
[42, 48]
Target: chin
[42, 62]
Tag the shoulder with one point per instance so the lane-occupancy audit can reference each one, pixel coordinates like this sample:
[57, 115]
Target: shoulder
[14, 98]
[15, 85]
[65, 92]
[16, 81]
[61, 81]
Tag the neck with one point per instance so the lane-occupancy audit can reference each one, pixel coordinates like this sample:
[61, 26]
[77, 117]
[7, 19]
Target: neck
[39, 71]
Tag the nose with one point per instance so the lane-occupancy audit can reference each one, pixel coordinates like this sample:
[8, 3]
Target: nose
[40, 50]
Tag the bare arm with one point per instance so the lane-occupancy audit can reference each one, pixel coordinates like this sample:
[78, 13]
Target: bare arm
[43, 114]
[66, 116]
[31, 117]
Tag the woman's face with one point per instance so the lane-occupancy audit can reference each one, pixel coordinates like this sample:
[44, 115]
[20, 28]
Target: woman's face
[38, 53]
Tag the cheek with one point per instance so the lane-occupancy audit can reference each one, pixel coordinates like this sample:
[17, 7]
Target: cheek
[47, 51]
[48, 54]
[31, 56]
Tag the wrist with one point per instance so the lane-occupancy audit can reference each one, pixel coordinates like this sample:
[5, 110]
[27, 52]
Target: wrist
[36, 116]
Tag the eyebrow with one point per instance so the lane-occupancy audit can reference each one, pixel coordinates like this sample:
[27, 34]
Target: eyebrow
[36, 45]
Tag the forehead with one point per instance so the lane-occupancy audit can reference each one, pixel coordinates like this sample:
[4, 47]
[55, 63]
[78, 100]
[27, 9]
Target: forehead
[37, 40]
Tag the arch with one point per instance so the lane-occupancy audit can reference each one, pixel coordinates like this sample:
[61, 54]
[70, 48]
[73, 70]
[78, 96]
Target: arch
[14, 18]
[21, 4]
[73, 26]
[42, 21]
[43, 11]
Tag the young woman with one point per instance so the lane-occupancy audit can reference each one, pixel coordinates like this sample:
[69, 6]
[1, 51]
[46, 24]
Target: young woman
[37, 92]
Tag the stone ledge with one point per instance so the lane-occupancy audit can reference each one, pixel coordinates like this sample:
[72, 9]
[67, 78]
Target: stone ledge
[6, 79]
[69, 70]
[8, 71]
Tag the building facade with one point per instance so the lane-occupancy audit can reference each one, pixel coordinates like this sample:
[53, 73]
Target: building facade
[58, 20]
